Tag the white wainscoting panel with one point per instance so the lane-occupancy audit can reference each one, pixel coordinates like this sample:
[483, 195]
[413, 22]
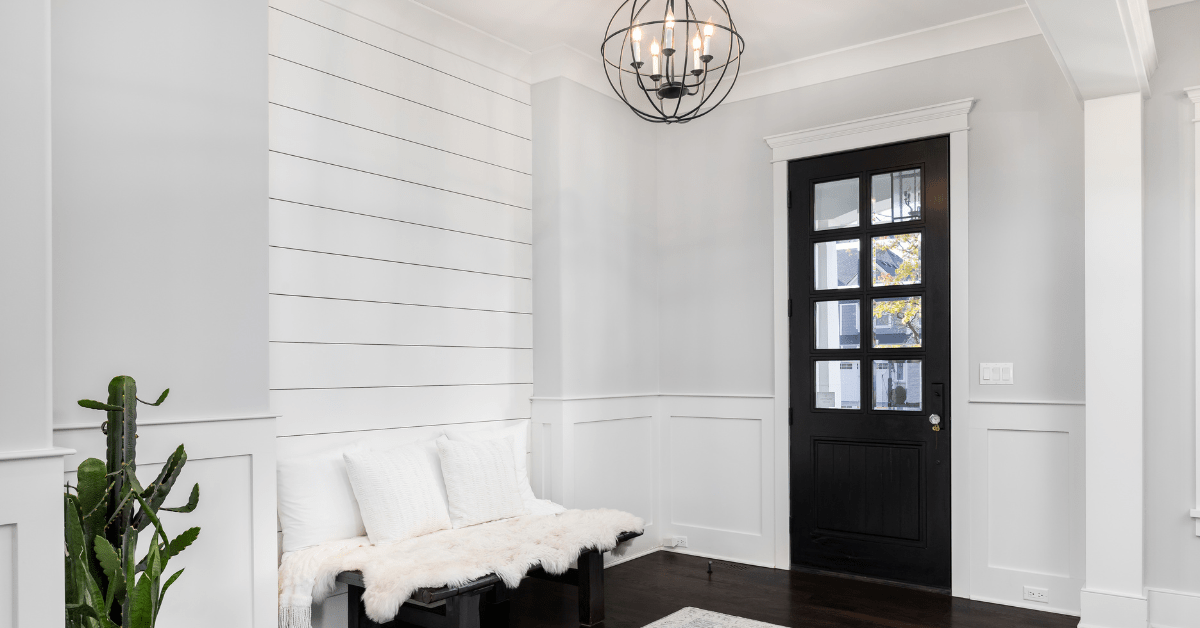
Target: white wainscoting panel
[1027, 517]
[719, 475]
[600, 453]
[234, 558]
[1173, 609]
[8, 569]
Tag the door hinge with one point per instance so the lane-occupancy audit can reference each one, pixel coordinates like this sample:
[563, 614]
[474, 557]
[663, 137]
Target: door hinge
[789, 416]
[789, 199]
[789, 308]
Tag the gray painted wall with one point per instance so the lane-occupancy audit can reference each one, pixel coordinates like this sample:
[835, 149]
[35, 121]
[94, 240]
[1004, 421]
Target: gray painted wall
[1026, 229]
[160, 221]
[1172, 548]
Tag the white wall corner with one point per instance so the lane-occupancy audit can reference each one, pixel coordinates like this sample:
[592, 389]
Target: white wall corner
[1193, 94]
[571, 63]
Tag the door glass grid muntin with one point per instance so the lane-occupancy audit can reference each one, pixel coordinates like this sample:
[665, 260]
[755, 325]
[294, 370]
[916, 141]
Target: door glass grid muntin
[865, 293]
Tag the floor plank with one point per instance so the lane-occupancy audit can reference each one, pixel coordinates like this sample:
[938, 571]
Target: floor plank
[646, 589]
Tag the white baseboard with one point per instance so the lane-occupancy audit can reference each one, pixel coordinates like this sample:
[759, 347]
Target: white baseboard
[1173, 609]
[1101, 609]
[728, 559]
[631, 556]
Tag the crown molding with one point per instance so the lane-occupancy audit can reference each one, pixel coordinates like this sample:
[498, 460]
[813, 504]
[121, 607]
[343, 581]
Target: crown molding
[938, 41]
[932, 120]
[571, 63]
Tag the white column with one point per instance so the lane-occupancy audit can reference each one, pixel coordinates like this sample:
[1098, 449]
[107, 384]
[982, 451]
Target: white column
[1113, 596]
[1194, 94]
[31, 470]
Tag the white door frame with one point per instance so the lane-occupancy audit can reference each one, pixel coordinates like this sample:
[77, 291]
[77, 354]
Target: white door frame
[943, 119]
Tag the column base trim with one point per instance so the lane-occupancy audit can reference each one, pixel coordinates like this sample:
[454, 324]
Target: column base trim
[1102, 609]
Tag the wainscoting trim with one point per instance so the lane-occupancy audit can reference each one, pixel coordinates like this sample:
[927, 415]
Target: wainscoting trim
[31, 454]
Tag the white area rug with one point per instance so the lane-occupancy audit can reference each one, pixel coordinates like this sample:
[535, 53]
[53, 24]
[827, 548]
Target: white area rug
[698, 618]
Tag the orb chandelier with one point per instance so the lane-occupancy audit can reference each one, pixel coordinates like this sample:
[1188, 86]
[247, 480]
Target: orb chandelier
[692, 62]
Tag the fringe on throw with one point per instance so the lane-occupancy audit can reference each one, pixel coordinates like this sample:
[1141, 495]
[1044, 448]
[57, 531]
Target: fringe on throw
[295, 617]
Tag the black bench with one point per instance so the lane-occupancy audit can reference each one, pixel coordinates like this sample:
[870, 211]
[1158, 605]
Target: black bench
[459, 607]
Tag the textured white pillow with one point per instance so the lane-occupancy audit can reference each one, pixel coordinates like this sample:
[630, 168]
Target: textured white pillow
[481, 481]
[400, 491]
[316, 502]
[518, 434]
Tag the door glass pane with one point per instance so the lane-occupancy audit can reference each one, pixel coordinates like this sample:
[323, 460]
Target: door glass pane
[835, 204]
[896, 322]
[896, 197]
[896, 385]
[836, 324]
[835, 264]
[838, 384]
[896, 259]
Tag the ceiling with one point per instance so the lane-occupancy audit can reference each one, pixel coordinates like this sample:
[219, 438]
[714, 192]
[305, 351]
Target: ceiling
[776, 31]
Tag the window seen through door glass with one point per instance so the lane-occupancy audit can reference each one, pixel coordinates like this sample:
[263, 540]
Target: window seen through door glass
[896, 259]
[896, 197]
[836, 324]
[835, 204]
[896, 322]
[835, 264]
[837, 384]
[896, 385]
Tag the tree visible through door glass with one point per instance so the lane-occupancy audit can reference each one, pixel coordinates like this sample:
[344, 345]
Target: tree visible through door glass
[896, 322]
[896, 259]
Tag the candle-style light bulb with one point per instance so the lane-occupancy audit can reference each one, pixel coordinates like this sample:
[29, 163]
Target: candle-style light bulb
[696, 52]
[669, 34]
[708, 31]
[636, 35]
[654, 57]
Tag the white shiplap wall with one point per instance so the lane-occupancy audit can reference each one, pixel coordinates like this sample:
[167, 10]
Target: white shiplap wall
[400, 227]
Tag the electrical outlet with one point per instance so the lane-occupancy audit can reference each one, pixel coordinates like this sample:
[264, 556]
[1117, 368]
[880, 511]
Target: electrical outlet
[1034, 594]
[675, 541]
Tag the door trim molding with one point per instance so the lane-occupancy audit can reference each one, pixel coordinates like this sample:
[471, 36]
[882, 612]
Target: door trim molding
[1193, 94]
[950, 118]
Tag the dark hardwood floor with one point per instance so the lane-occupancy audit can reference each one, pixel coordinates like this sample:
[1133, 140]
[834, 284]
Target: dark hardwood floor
[649, 588]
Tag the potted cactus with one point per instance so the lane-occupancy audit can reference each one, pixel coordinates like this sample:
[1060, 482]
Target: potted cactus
[106, 585]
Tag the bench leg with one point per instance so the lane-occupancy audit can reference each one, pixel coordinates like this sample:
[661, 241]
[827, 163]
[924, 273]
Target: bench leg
[356, 617]
[462, 611]
[591, 588]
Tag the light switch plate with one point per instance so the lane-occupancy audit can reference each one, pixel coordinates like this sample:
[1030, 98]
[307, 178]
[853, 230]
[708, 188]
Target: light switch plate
[995, 373]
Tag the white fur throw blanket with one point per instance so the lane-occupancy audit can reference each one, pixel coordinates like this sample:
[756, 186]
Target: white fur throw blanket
[391, 573]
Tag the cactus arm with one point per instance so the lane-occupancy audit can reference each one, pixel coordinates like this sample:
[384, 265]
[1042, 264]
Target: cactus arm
[96, 405]
[162, 485]
[193, 500]
[161, 398]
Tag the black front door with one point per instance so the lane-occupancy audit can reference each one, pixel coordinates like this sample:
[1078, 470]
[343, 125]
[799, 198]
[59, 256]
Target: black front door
[869, 268]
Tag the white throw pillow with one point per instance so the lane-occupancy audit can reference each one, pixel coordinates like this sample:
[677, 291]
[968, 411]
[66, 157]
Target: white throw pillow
[481, 481]
[316, 501]
[400, 491]
[518, 435]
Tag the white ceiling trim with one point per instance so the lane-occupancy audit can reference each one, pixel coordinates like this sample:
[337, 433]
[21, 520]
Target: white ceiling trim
[940, 119]
[946, 39]
[571, 63]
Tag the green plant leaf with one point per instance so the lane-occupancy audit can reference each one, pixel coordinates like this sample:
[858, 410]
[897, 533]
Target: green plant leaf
[96, 405]
[141, 611]
[186, 538]
[193, 500]
[162, 485]
[110, 562]
[161, 398]
[162, 594]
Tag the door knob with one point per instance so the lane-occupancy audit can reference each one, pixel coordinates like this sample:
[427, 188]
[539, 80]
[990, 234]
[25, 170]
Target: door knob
[935, 419]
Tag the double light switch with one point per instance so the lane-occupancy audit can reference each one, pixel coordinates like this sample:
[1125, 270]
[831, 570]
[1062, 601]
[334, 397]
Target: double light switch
[995, 373]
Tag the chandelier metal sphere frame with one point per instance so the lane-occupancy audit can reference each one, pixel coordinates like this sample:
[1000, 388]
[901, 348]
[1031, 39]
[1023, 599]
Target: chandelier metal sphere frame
[674, 86]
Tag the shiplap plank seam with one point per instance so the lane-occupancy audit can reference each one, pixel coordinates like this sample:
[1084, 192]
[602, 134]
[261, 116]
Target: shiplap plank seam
[424, 185]
[400, 56]
[391, 344]
[402, 139]
[394, 95]
[444, 307]
[390, 261]
[407, 222]
[405, 386]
